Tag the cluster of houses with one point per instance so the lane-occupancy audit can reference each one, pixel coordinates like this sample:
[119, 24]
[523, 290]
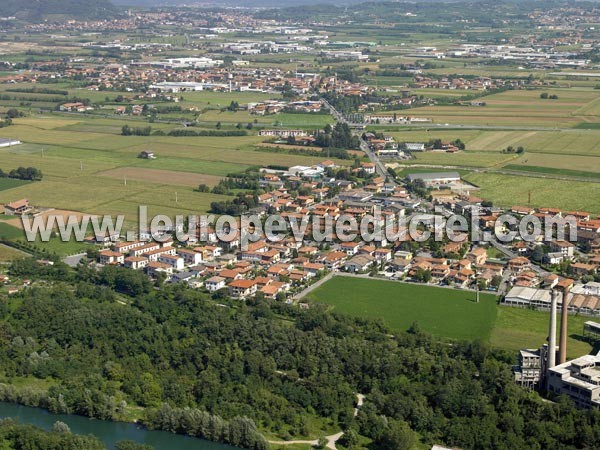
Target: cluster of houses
[394, 118]
[275, 269]
[382, 144]
[276, 106]
[75, 107]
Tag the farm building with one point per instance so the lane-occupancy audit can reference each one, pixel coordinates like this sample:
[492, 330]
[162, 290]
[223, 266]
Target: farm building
[414, 146]
[435, 178]
[8, 142]
[283, 133]
[146, 154]
[18, 208]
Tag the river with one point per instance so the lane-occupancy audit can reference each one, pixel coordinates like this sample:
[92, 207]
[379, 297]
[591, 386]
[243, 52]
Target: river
[108, 432]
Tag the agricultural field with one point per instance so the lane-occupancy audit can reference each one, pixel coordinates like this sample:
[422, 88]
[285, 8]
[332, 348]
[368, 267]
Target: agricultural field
[9, 183]
[508, 190]
[567, 162]
[522, 108]
[89, 167]
[580, 142]
[460, 159]
[161, 176]
[443, 312]
[8, 231]
[8, 254]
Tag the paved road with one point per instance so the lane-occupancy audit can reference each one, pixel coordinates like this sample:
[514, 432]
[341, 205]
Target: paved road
[312, 287]
[379, 166]
[508, 252]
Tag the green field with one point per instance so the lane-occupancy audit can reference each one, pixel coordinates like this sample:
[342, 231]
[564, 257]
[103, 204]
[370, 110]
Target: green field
[443, 312]
[509, 190]
[9, 183]
[461, 159]
[77, 153]
[517, 328]
[9, 232]
[9, 254]
[523, 108]
[556, 142]
[553, 171]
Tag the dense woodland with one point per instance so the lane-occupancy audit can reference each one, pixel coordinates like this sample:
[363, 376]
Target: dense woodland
[16, 436]
[110, 340]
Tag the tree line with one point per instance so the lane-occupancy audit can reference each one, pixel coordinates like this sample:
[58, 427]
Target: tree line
[23, 173]
[179, 356]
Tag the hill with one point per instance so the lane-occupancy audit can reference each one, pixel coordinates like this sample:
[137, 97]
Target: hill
[35, 10]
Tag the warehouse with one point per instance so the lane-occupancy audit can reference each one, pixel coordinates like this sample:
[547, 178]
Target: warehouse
[434, 178]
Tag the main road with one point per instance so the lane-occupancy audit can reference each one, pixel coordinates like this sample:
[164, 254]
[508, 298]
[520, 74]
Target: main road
[364, 146]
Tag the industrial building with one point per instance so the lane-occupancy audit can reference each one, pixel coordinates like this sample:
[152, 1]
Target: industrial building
[435, 178]
[579, 379]
[548, 370]
[583, 298]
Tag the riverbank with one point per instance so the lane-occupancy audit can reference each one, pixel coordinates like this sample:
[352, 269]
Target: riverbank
[108, 432]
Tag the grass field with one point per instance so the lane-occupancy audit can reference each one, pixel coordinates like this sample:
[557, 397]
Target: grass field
[523, 108]
[557, 142]
[9, 183]
[9, 232]
[553, 171]
[85, 161]
[508, 190]
[446, 313]
[517, 328]
[465, 159]
[442, 312]
[9, 254]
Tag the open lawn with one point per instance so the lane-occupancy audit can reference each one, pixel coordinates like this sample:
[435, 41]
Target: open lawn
[443, 312]
[447, 313]
[508, 190]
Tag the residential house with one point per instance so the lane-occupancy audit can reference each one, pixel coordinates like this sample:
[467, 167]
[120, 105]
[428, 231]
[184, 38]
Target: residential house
[155, 267]
[111, 257]
[518, 264]
[359, 263]
[173, 260]
[214, 283]
[242, 288]
[18, 208]
[477, 255]
[135, 262]
[190, 257]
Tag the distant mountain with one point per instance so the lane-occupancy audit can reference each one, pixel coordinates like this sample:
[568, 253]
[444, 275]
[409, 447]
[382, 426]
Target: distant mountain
[43, 9]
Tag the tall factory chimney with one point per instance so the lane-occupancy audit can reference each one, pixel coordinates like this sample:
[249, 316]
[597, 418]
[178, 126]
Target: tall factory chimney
[552, 332]
[562, 352]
